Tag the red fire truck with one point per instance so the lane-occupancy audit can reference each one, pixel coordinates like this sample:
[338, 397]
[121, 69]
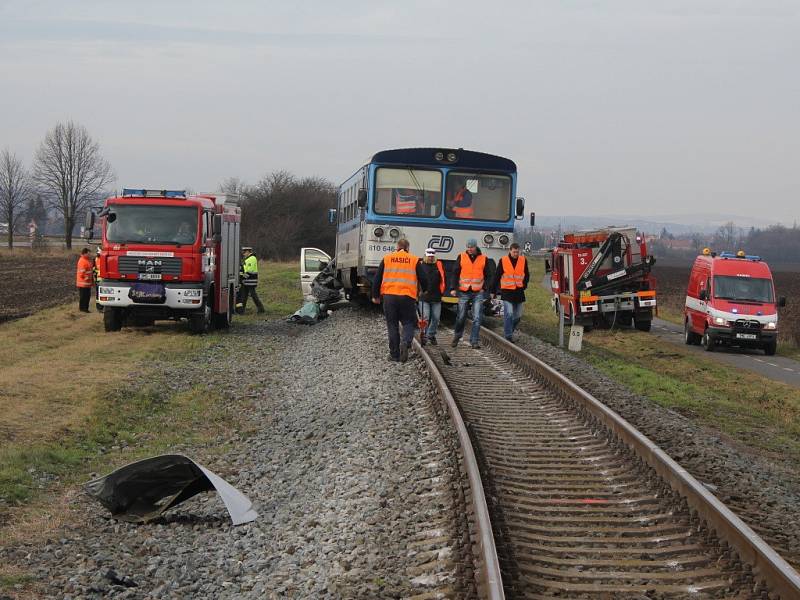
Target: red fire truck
[166, 255]
[602, 277]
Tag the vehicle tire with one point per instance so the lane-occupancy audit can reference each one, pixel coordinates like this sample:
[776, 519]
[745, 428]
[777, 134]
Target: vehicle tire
[112, 319]
[223, 320]
[689, 336]
[642, 325]
[200, 322]
[771, 348]
[707, 342]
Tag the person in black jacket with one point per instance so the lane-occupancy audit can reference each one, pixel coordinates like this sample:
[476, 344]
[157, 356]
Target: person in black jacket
[510, 281]
[430, 301]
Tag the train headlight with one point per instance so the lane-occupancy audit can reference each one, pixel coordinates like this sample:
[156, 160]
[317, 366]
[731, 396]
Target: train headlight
[488, 239]
[439, 156]
[378, 232]
[771, 325]
[503, 239]
[394, 233]
[451, 157]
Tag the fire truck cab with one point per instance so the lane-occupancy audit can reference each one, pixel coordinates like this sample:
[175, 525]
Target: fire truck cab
[730, 300]
[602, 277]
[167, 255]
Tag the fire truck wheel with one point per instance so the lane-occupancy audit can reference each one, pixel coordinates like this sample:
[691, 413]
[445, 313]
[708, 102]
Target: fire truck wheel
[112, 319]
[642, 325]
[201, 321]
[689, 336]
[708, 342]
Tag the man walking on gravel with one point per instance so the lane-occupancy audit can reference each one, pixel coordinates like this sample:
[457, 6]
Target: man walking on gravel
[510, 281]
[84, 280]
[430, 301]
[398, 277]
[249, 275]
[472, 274]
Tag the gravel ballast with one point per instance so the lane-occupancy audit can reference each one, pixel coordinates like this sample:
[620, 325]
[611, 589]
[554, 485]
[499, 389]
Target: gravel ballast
[342, 454]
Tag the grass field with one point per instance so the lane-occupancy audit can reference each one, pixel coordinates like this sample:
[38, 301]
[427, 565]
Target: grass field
[754, 410]
[72, 401]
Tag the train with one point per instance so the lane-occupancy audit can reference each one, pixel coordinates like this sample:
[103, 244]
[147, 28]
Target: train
[433, 197]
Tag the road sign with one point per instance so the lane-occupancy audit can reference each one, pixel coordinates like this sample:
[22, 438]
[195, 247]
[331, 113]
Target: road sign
[527, 248]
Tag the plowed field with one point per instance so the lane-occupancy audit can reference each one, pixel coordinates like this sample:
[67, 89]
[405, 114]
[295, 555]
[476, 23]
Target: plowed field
[30, 282]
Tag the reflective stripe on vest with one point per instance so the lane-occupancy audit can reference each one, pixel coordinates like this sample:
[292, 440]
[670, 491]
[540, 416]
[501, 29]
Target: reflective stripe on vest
[513, 277]
[462, 212]
[405, 205]
[471, 272]
[400, 274]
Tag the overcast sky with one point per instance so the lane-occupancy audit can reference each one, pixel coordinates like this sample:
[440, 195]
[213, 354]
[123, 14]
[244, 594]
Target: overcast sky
[627, 106]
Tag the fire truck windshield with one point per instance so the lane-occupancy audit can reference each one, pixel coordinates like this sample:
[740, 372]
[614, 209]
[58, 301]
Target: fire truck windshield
[743, 289]
[151, 224]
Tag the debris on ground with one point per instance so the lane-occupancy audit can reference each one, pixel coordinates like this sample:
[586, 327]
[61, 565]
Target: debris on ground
[143, 490]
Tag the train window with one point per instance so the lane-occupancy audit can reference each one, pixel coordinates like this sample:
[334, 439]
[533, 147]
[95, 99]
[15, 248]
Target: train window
[408, 192]
[478, 196]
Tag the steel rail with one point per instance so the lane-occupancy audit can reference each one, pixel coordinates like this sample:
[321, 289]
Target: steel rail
[488, 578]
[779, 576]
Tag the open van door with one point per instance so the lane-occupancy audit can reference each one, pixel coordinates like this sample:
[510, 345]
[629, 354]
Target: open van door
[312, 261]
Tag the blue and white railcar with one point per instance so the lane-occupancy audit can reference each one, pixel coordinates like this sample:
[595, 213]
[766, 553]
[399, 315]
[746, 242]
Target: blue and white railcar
[433, 197]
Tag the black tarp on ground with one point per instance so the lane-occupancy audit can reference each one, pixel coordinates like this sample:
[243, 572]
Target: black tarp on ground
[143, 490]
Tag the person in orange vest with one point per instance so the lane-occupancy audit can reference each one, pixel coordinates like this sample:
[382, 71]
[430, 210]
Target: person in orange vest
[510, 281]
[398, 277]
[430, 301]
[84, 280]
[461, 204]
[472, 278]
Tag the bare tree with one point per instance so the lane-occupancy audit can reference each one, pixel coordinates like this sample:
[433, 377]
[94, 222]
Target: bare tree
[15, 189]
[71, 171]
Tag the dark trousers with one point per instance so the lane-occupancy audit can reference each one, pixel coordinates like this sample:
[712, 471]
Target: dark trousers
[84, 295]
[399, 309]
[250, 290]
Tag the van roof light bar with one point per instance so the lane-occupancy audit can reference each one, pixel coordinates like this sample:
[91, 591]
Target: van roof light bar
[734, 255]
[143, 193]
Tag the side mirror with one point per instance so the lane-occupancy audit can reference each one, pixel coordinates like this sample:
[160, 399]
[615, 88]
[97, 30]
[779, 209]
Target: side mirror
[88, 225]
[331, 216]
[520, 207]
[782, 301]
[533, 219]
[703, 295]
[362, 198]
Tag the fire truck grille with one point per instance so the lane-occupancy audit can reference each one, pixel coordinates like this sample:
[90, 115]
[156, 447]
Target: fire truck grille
[131, 265]
[747, 325]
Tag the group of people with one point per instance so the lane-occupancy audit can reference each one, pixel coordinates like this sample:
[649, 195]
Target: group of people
[404, 283]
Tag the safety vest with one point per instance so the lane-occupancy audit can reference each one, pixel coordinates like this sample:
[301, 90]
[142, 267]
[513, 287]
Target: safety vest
[405, 205]
[250, 270]
[83, 277]
[441, 276]
[513, 277]
[471, 272]
[400, 274]
[462, 212]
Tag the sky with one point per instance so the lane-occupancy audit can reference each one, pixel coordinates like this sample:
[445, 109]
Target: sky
[607, 107]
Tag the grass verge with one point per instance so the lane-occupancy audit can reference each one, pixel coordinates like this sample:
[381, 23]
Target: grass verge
[756, 411]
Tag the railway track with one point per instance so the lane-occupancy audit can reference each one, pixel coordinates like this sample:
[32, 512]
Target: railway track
[570, 501]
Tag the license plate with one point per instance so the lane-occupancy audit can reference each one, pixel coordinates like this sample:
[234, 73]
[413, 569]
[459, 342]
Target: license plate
[746, 336]
[150, 276]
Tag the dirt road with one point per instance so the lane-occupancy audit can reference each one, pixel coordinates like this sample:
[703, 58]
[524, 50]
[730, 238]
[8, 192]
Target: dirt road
[29, 283]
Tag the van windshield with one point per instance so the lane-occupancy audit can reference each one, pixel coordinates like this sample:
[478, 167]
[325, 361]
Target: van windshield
[743, 289]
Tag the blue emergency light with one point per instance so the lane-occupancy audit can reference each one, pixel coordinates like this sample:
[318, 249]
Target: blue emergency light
[733, 255]
[142, 193]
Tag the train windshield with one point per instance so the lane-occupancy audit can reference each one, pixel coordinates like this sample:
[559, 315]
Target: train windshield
[408, 192]
[127, 223]
[477, 196]
[743, 289]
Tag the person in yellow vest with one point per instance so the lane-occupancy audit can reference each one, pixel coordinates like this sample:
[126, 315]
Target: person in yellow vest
[248, 273]
[510, 281]
[398, 277]
[84, 280]
[472, 276]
